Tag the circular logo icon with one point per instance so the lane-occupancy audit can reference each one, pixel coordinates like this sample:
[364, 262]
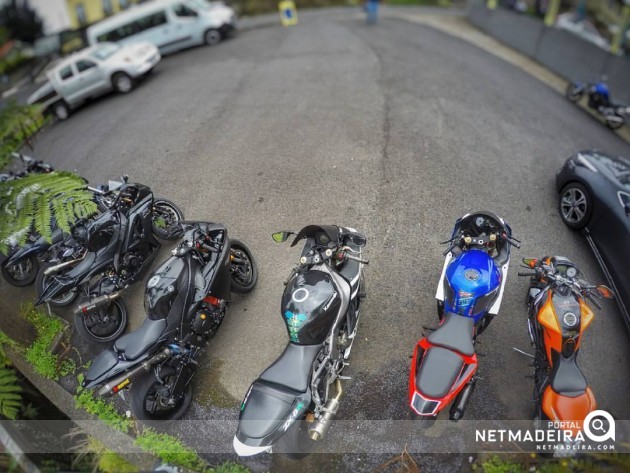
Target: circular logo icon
[300, 295]
[596, 429]
[153, 281]
[570, 319]
[471, 274]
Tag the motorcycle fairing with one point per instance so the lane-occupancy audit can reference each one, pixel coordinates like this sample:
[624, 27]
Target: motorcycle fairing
[472, 279]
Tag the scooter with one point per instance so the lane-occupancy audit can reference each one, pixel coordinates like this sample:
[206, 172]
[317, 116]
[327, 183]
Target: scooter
[558, 315]
[185, 300]
[599, 100]
[294, 401]
[469, 294]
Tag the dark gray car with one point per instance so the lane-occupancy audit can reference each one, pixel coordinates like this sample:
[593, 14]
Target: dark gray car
[595, 198]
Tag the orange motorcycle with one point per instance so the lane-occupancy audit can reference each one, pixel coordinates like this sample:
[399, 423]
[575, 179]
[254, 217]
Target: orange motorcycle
[558, 315]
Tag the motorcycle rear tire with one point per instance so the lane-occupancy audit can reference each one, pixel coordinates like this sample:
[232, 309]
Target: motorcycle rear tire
[143, 386]
[59, 301]
[96, 339]
[295, 444]
[615, 124]
[31, 263]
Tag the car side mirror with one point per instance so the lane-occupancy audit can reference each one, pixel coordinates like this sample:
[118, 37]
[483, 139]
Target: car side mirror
[280, 237]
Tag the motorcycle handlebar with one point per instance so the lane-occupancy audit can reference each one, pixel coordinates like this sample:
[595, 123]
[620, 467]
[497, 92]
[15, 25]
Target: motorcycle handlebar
[595, 303]
[527, 273]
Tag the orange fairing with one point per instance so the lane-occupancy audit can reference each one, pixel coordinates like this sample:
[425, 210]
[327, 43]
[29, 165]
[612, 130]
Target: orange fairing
[553, 333]
[568, 409]
[586, 314]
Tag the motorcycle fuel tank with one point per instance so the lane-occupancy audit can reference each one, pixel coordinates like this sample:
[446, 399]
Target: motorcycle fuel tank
[472, 283]
[310, 304]
[163, 287]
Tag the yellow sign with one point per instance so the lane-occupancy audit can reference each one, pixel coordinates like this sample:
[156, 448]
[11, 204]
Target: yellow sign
[288, 13]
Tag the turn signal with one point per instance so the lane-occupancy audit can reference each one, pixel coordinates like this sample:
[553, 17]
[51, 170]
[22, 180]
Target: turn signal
[531, 262]
[605, 292]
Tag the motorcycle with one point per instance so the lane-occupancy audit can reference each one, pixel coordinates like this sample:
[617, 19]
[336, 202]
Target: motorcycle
[120, 246]
[320, 307]
[21, 266]
[599, 101]
[558, 315]
[185, 300]
[30, 165]
[469, 294]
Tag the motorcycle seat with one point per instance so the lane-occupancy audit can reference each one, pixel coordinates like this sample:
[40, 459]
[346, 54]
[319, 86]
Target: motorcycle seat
[455, 334]
[134, 344]
[267, 406]
[437, 372]
[567, 378]
[293, 368]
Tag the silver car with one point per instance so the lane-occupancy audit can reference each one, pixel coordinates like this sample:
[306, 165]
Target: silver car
[92, 72]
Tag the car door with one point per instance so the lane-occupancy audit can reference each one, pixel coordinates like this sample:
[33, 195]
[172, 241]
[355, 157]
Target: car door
[185, 25]
[91, 78]
[612, 237]
[69, 85]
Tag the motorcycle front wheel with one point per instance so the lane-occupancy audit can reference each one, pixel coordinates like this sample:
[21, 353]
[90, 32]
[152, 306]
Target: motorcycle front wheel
[573, 93]
[166, 219]
[23, 273]
[102, 326]
[614, 121]
[149, 400]
[243, 270]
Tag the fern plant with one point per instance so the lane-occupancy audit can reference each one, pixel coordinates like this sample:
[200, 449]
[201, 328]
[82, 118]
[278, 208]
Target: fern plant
[32, 202]
[10, 394]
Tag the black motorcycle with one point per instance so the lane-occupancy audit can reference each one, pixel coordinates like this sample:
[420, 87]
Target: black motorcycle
[30, 165]
[185, 300]
[292, 400]
[120, 246]
[22, 264]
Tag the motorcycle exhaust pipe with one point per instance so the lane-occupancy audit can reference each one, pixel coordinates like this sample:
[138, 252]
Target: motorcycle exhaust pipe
[97, 302]
[53, 269]
[459, 406]
[321, 425]
[116, 384]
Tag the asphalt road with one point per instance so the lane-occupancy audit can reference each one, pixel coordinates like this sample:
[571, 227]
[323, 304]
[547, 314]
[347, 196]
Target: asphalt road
[396, 130]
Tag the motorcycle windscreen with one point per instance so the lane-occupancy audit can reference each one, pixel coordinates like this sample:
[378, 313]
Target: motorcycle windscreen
[310, 304]
[472, 283]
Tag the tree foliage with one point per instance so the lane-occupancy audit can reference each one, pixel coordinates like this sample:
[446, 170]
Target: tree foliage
[21, 21]
[32, 202]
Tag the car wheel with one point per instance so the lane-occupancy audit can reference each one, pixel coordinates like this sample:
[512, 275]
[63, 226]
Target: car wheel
[122, 83]
[212, 37]
[61, 110]
[575, 205]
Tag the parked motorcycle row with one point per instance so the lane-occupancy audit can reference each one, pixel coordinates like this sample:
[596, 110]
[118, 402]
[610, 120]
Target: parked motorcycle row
[599, 100]
[292, 403]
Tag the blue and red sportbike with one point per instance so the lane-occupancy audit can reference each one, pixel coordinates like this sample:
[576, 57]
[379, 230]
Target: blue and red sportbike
[599, 100]
[444, 363]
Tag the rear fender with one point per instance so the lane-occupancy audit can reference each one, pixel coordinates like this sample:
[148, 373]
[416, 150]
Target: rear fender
[267, 412]
[572, 410]
[424, 405]
[106, 366]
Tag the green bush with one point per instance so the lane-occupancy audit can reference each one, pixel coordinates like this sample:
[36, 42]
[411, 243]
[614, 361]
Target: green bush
[44, 362]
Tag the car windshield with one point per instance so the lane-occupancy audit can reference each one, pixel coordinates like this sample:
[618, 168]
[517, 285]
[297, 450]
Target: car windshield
[104, 51]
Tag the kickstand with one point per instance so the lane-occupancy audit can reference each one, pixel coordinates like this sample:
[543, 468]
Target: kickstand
[430, 329]
[522, 352]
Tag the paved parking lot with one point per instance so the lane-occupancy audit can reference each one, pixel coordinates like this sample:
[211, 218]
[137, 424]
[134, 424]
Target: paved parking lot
[395, 130]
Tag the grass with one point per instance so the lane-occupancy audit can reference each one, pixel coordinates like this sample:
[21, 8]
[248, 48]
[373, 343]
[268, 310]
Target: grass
[44, 362]
[104, 410]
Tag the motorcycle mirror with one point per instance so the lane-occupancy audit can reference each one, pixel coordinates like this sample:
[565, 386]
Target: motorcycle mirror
[125, 178]
[280, 237]
[359, 240]
[531, 262]
[605, 292]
